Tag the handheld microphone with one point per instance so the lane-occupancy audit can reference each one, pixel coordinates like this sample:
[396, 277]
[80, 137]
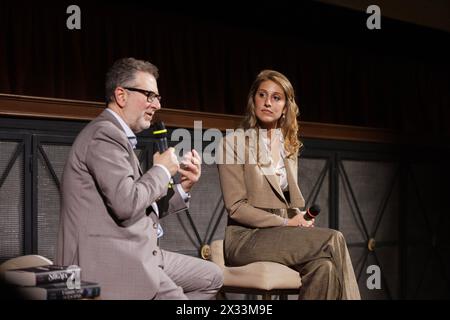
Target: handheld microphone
[312, 212]
[159, 133]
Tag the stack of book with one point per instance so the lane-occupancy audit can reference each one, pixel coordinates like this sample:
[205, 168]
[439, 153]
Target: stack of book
[51, 282]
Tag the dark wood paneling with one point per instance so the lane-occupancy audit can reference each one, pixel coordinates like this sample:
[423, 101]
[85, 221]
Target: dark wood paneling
[50, 108]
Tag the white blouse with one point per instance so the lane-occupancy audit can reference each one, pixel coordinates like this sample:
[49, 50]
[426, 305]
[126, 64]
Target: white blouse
[279, 167]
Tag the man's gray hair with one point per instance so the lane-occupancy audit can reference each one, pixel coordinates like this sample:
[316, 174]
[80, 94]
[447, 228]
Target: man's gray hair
[123, 72]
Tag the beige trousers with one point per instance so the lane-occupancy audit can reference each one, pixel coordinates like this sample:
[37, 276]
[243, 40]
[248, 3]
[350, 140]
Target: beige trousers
[320, 255]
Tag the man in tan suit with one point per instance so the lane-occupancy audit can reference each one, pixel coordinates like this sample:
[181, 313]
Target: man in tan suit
[109, 214]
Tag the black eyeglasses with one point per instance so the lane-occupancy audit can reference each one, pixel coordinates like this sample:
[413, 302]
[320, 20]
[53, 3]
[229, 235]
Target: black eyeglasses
[151, 96]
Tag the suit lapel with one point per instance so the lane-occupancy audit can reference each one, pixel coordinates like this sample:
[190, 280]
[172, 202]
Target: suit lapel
[137, 162]
[296, 197]
[106, 115]
[289, 165]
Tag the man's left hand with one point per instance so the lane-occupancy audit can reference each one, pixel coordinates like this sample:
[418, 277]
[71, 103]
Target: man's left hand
[190, 169]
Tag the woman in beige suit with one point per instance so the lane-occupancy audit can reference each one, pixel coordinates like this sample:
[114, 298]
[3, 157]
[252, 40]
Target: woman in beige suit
[258, 176]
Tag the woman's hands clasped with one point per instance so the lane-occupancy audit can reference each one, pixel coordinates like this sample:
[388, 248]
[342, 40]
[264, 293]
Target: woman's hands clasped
[299, 221]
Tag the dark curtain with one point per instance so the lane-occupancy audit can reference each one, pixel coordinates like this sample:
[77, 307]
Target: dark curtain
[208, 55]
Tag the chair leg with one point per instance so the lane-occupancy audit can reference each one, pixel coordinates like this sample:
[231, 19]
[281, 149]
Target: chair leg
[221, 296]
[266, 296]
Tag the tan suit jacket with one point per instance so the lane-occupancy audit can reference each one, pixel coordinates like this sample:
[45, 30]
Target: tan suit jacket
[105, 225]
[251, 192]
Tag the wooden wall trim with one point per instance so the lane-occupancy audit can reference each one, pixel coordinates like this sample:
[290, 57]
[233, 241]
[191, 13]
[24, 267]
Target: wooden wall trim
[63, 109]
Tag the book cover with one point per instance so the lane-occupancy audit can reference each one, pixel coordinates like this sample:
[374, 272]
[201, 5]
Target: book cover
[35, 276]
[60, 291]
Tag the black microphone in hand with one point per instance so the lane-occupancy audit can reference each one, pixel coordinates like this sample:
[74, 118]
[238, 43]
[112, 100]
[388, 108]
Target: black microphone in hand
[159, 133]
[312, 212]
